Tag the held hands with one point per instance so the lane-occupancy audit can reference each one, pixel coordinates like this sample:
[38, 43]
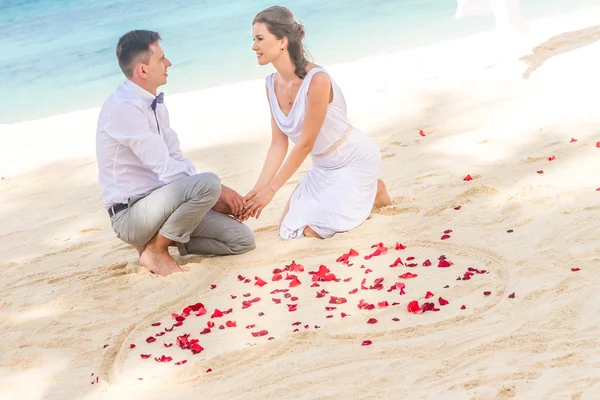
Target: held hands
[243, 208]
[256, 201]
[233, 200]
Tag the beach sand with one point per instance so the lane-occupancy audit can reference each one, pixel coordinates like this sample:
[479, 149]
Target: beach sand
[74, 298]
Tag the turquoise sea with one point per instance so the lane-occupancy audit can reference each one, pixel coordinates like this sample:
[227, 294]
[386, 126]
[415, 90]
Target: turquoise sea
[58, 56]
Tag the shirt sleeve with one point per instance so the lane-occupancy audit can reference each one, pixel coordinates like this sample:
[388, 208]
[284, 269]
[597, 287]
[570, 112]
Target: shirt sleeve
[174, 146]
[129, 127]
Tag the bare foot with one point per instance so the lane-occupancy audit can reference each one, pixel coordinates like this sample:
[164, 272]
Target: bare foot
[382, 198]
[140, 250]
[160, 263]
[309, 232]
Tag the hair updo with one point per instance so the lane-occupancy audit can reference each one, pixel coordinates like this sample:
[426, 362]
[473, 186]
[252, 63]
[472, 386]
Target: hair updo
[281, 23]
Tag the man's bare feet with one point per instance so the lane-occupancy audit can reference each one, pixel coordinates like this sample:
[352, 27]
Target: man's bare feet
[160, 263]
[382, 198]
[156, 256]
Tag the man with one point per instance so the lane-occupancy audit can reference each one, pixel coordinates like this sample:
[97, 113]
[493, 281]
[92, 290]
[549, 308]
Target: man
[152, 193]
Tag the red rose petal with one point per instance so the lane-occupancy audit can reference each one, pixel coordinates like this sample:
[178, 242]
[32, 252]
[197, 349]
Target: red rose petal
[400, 246]
[217, 313]
[295, 282]
[276, 277]
[511, 296]
[463, 307]
[292, 307]
[205, 331]
[233, 297]
[144, 356]
[457, 208]
[209, 370]
[540, 171]
[368, 271]
[487, 293]
[551, 158]
[445, 264]
[427, 263]
[213, 286]
[241, 278]
[196, 348]
[167, 344]
[250, 326]
[467, 178]
[330, 308]
[413, 307]
[573, 140]
[276, 301]
[181, 362]
[259, 282]
[443, 301]
[444, 237]
[163, 359]
[383, 304]
[329, 316]
[408, 275]
[429, 295]
[295, 267]
[156, 324]
[132, 346]
[396, 319]
[396, 263]
[422, 133]
[150, 339]
[210, 324]
[575, 269]
[353, 291]
[260, 333]
[366, 343]
[344, 315]
[247, 280]
[372, 321]
[230, 324]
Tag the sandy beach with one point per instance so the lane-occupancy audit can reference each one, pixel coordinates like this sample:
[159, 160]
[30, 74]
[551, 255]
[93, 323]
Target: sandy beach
[522, 318]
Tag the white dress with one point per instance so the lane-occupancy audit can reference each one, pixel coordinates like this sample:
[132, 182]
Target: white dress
[337, 194]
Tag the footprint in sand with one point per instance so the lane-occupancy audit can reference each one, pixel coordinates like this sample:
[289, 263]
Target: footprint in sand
[243, 312]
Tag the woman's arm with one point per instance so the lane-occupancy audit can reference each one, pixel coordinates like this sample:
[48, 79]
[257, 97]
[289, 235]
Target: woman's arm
[275, 157]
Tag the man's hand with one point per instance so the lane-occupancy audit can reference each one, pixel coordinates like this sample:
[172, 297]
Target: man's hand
[232, 199]
[257, 202]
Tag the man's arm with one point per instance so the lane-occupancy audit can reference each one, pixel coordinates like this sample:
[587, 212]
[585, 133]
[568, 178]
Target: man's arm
[128, 126]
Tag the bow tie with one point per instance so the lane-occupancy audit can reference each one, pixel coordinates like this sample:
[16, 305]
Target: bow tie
[158, 99]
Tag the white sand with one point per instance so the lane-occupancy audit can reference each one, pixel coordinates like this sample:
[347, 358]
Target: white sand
[69, 286]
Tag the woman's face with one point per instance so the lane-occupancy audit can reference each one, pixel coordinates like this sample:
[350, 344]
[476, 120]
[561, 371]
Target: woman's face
[266, 45]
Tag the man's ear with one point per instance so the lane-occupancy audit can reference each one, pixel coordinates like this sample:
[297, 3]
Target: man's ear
[141, 71]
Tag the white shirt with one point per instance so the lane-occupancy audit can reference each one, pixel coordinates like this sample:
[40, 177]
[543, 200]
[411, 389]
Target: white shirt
[134, 159]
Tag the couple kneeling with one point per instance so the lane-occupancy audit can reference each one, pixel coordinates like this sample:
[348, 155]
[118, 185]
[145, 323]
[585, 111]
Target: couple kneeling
[153, 194]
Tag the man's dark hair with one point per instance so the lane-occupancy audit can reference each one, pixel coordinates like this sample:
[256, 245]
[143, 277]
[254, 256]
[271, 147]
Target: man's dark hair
[134, 47]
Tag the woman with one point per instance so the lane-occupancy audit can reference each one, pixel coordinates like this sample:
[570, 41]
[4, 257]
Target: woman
[338, 193]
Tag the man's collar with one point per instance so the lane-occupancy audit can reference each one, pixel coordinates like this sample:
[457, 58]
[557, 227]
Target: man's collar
[143, 93]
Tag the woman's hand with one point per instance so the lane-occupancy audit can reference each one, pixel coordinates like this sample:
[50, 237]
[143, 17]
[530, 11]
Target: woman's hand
[256, 202]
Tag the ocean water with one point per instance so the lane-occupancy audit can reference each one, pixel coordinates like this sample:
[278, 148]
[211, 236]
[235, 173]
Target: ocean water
[58, 56]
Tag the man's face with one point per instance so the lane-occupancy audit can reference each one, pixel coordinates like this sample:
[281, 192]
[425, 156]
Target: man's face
[156, 69]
